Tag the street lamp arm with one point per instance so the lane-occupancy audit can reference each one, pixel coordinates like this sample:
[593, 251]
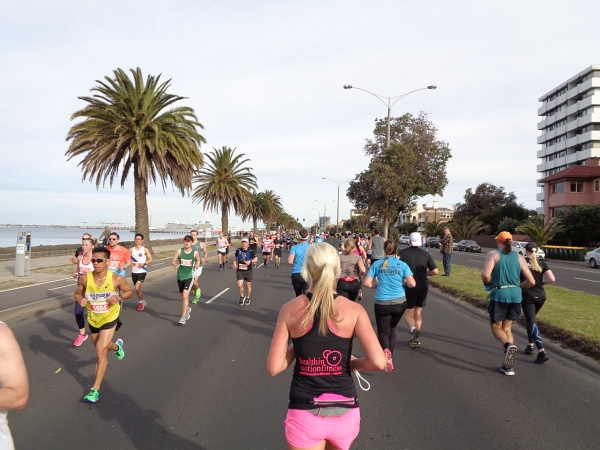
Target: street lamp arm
[408, 93]
[336, 182]
[380, 97]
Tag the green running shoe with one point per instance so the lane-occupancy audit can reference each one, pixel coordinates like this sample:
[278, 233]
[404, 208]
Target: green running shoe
[93, 396]
[120, 352]
[198, 294]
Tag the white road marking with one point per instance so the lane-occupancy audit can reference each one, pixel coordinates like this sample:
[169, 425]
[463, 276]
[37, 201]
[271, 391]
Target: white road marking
[218, 295]
[584, 279]
[37, 284]
[60, 287]
[477, 261]
[261, 264]
[33, 303]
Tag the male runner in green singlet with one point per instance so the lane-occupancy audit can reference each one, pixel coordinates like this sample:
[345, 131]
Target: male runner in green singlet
[185, 260]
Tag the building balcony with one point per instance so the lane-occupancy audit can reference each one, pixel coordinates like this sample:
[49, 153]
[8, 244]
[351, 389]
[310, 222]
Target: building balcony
[539, 196]
[580, 88]
[582, 138]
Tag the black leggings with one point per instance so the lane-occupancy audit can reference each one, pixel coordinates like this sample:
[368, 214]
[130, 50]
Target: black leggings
[300, 286]
[530, 309]
[79, 311]
[348, 289]
[387, 317]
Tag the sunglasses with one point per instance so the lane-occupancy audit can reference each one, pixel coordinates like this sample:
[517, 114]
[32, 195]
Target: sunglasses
[112, 239]
[98, 260]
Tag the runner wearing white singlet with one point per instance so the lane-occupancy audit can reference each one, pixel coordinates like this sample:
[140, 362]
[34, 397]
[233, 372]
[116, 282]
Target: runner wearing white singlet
[140, 258]
[222, 244]
[267, 244]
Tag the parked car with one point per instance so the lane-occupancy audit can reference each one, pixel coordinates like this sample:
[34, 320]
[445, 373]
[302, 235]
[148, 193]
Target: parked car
[433, 242]
[405, 240]
[593, 258]
[454, 246]
[519, 247]
[468, 246]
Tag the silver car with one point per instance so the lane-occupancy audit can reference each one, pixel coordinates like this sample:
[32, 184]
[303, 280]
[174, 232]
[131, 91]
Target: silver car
[593, 258]
[405, 240]
[519, 247]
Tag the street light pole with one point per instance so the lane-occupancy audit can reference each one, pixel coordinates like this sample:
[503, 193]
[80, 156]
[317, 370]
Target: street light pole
[389, 104]
[324, 208]
[339, 183]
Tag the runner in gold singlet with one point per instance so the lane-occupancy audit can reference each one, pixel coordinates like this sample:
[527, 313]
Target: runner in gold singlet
[101, 292]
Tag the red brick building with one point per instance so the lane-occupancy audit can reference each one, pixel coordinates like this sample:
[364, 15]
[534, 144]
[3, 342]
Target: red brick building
[577, 185]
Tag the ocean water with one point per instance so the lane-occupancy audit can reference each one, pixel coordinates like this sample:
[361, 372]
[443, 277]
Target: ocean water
[58, 236]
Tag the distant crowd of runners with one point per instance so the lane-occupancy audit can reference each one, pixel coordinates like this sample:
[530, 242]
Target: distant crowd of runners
[328, 273]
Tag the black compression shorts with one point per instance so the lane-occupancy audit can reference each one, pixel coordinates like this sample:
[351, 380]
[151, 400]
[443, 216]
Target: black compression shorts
[245, 275]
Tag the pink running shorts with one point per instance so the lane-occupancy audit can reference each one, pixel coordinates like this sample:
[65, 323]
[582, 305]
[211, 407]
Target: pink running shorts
[305, 430]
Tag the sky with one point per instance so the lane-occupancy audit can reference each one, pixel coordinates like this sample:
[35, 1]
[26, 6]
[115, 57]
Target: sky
[266, 78]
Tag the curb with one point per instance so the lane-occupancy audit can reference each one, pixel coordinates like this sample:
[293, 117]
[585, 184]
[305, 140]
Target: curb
[578, 358]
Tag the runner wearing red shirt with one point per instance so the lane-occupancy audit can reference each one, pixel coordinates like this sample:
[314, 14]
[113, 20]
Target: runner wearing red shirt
[120, 258]
[267, 246]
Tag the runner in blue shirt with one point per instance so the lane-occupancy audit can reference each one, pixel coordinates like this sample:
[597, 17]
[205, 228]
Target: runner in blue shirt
[296, 259]
[390, 300]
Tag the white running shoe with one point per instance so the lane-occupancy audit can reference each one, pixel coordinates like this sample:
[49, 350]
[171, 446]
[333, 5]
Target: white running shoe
[182, 320]
[189, 313]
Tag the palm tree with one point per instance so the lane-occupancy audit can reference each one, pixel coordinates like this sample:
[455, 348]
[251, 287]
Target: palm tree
[540, 231]
[272, 207]
[224, 183]
[254, 209]
[434, 228]
[127, 127]
[466, 228]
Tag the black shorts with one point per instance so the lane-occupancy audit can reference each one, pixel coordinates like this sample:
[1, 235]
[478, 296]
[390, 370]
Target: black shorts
[227, 250]
[416, 299]
[277, 252]
[106, 326]
[300, 286]
[266, 253]
[185, 285]
[245, 275]
[504, 311]
[135, 277]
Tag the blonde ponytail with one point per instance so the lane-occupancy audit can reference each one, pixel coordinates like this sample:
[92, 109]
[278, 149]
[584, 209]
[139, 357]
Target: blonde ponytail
[534, 263]
[320, 270]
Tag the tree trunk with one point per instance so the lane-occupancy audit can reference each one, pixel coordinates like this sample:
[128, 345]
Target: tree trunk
[255, 224]
[225, 218]
[141, 209]
[386, 225]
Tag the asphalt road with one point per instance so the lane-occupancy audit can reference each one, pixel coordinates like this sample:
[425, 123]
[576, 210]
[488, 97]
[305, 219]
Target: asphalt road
[205, 386]
[571, 275]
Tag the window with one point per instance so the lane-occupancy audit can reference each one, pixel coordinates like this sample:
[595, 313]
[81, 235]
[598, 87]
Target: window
[596, 185]
[558, 188]
[576, 186]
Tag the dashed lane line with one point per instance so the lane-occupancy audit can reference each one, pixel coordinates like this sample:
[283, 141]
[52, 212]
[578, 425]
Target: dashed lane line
[218, 295]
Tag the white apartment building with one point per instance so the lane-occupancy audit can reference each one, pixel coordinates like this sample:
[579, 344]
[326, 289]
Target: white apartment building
[570, 126]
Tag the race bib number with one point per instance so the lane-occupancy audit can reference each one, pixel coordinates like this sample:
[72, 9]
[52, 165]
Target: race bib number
[243, 267]
[100, 308]
[185, 262]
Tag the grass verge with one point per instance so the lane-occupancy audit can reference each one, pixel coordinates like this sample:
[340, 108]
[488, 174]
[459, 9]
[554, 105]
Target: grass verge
[569, 317]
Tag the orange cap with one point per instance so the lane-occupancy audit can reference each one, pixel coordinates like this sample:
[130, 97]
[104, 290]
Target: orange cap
[502, 237]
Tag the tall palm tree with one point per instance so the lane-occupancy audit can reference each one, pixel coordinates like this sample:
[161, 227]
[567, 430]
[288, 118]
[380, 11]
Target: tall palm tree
[224, 182]
[541, 231]
[254, 209]
[466, 228]
[126, 126]
[272, 207]
[434, 228]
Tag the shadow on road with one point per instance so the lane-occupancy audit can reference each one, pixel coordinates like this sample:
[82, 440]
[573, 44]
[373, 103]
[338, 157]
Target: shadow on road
[142, 426]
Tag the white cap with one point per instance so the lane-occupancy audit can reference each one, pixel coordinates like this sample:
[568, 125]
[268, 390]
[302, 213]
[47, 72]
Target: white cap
[415, 239]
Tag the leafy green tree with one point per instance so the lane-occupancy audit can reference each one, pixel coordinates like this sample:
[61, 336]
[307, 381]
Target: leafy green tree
[509, 224]
[581, 225]
[407, 228]
[465, 228]
[484, 199]
[510, 210]
[540, 230]
[414, 165]
[131, 125]
[224, 183]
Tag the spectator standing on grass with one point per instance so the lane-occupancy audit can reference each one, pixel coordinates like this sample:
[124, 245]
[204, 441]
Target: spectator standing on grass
[14, 384]
[446, 243]
[533, 300]
[502, 276]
